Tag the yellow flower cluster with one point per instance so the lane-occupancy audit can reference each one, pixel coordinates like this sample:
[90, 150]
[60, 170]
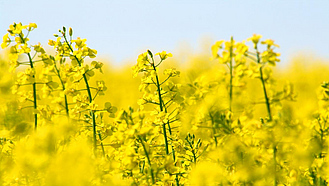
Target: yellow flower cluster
[231, 123]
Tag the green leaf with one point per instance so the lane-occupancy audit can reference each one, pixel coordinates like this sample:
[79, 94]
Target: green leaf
[107, 105]
[90, 73]
[53, 84]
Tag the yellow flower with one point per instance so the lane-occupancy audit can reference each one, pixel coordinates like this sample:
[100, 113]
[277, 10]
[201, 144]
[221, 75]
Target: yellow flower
[78, 54]
[25, 48]
[97, 65]
[51, 42]
[91, 52]
[164, 55]
[92, 106]
[38, 48]
[270, 56]
[241, 48]
[269, 43]
[171, 72]
[30, 71]
[101, 87]
[241, 52]
[142, 59]
[215, 48]
[21, 40]
[79, 43]
[255, 38]
[46, 90]
[229, 44]
[31, 26]
[226, 56]
[16, 29]
[5, 41]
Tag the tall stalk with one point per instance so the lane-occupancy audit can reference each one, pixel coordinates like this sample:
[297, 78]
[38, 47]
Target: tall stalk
[148, 159]
[163, 108]
[267, 100]
[92, 113]
[160, 105]
[231, 73]
[275, 164]
[33, 86]
[63, 87]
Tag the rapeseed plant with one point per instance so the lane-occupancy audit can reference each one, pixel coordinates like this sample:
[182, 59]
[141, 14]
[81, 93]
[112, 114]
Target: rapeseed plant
[206, 125]
[21, 47]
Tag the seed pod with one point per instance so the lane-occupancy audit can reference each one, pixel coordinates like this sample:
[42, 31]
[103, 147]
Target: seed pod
[199, 141]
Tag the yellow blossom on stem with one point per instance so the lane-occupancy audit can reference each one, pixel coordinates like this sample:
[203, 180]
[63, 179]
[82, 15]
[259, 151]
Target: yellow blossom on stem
[164, 55]
[92, 106]
[25, 48]
[97, 65]
[5, 41]
[215, 48]
[16, 29]
[79, 43]
[269, 43]
[38, 48]
[51, 42]
[31, 26]
[229, 44]
[255, 39]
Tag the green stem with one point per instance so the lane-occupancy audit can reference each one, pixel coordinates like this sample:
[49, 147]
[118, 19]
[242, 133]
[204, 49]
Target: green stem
[34, 87]
[231, 73]
[34, 96]
[63, 87]
[177, 181]
[100, 138]
[267, 100]
[161, 107]
[92, 113]
[275, 163]
[321, 149]
[148, 159]
[213, 128]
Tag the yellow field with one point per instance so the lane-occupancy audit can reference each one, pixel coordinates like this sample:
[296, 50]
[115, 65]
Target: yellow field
[228, 117]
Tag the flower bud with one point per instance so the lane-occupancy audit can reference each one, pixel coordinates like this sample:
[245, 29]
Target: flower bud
[150, 53]
[70, 31]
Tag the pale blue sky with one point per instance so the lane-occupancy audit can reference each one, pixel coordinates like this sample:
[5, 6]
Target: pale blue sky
[122, 29]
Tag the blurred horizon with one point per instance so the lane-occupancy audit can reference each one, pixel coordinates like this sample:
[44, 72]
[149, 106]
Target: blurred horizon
[120, 30]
